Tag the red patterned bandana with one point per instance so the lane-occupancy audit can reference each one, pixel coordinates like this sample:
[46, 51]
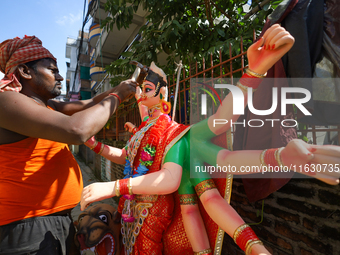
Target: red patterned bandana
[19, 51]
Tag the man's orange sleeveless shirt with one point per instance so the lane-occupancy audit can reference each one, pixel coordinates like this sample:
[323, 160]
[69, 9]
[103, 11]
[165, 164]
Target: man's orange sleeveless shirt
[37, 177]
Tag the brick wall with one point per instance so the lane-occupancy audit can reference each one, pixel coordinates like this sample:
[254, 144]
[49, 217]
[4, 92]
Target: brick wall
[303, 217]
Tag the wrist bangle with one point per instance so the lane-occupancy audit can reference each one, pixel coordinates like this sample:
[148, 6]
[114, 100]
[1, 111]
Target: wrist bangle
[278, 157]
[242, 87]
[250, 81]
[245, 237]
[114, 94]
[262, 158]
[117, 188]
[94, 145]
[257, 75]
[270, 158]
[239, 230]
[97, 148]
[101, 149]
[250, 245]
[123, 187]
[130, 186]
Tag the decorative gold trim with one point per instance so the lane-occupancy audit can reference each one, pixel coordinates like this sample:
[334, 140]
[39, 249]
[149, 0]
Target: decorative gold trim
[130, 186]
[263, 163]
[278, 156]
[146, 198]
[101, 149]
[188, 199]
[206, 251]
[94, 145]
[203, 186]
[257, 75]
[172, 143]
[250, 246]
[131, 230]
[117, 188]
[238, 231]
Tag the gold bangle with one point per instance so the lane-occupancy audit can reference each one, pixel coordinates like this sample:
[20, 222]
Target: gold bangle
[206, 251]
[95, 144]
[257, 75]
[250, 244]
[129, 186]
[278, 157]
[244, 88]
[117, 188]
[101, 149]
[262, 158]
[239, 230]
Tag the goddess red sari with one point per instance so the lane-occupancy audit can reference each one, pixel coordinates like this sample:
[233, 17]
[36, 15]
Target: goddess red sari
[158, 227]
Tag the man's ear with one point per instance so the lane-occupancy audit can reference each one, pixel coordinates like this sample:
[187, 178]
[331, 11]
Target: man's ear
[24, 72]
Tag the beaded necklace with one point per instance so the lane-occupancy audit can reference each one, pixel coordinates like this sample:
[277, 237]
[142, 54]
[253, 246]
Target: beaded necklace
[147, 154]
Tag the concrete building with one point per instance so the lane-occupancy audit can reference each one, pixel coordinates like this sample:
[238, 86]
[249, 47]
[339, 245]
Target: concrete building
[107, 46]
[78, 84]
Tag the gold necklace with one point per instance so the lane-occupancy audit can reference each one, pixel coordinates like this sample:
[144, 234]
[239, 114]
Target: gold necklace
[153, 109]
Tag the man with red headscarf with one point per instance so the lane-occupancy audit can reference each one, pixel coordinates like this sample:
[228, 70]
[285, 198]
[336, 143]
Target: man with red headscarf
[40, 181]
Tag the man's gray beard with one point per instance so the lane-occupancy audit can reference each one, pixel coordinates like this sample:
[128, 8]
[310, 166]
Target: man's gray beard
[56, 92]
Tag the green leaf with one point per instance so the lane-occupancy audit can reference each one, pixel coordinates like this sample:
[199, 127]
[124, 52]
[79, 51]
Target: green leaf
[127, 54]
[220, 32]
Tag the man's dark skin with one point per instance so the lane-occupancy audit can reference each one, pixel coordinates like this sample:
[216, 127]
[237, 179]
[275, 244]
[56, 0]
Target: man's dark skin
[25, 114]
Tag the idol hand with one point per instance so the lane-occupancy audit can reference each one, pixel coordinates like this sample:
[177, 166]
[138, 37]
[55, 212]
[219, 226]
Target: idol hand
[264, 53]
[129, 126]
[95, 192]
[319, 161]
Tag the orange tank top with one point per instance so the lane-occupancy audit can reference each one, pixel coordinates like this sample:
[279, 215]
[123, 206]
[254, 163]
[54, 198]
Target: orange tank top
[37, 177]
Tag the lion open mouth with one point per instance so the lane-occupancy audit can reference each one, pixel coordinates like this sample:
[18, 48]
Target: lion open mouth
[105, 246]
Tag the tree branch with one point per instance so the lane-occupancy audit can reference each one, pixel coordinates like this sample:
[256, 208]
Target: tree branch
[208, 13]
[256, 9]
[224, 13]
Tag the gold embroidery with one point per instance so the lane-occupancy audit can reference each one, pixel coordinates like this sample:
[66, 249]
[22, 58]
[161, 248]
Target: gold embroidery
[188, 199]
[131, 230]
[204, 186]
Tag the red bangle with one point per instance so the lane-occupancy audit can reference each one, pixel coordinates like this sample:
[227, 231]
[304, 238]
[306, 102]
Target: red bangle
[123, 187]
[98, 147]
[246, 235]
[114, 94]
[250, 81]
[269, 158]
[139, 100]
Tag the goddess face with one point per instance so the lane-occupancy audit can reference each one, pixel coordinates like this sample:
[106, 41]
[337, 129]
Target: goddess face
[148, 94]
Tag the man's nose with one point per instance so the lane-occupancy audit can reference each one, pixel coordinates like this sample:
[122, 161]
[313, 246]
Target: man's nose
[59, 77]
